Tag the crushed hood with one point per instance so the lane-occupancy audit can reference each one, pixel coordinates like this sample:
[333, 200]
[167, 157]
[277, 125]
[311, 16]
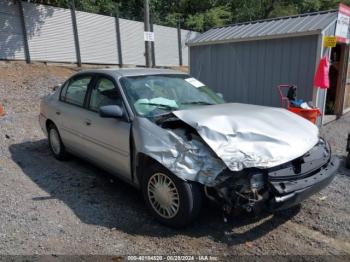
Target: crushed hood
[243, 135]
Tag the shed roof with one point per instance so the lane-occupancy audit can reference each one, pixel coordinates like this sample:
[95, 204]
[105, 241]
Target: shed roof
[303, 24]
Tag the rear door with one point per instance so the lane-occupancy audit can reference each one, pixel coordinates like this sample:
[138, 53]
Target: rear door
[108, 139]
[72, 113]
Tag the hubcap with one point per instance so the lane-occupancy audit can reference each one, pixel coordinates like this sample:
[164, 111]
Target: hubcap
[55, 141]
[163, 195]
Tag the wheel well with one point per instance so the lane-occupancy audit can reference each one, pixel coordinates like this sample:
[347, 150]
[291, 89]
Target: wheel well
[142, 161]
[48, 123]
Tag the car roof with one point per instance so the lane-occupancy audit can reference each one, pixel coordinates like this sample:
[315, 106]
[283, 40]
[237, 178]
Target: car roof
[117, 72]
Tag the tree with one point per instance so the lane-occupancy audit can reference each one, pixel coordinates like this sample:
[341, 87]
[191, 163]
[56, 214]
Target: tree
[216, 16]
[200, 15]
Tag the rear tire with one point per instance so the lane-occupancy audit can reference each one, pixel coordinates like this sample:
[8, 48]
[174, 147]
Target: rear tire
[172, 201]
[55, 143]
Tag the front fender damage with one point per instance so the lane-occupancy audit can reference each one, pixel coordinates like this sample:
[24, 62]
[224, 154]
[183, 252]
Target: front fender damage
[189, 158]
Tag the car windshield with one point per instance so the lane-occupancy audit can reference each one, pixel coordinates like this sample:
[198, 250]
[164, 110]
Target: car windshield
[154, 95]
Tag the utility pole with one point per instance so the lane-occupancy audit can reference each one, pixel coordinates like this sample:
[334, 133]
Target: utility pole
[75, 32]
[147, 30]
[24, 33]
[119, 41]
[153, 53]
[179, 41]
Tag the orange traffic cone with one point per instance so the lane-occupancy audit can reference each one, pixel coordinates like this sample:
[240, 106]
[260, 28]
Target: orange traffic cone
[2, 110]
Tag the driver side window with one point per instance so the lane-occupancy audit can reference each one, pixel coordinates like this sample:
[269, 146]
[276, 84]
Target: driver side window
[104, 93]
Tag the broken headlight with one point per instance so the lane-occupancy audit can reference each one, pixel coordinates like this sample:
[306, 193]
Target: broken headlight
[257, 181]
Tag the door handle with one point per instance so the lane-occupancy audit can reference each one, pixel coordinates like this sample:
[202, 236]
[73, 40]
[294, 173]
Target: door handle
[88, 122]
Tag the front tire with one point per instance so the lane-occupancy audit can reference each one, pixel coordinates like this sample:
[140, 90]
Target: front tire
[172, 201]
[55, 143]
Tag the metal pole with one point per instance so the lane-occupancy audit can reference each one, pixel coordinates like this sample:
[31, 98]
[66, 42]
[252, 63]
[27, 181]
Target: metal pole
[147, 29]
[179, 42]
[119, 42]
[75, 32]
[152, 44]
[24, 32]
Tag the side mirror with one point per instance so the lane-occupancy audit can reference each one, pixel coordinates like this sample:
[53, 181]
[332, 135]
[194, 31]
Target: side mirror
[220, 95]
[111, 111]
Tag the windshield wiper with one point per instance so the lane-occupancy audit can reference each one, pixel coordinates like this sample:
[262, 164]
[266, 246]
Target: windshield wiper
[160, 105]
[196, 103]
[164, 117]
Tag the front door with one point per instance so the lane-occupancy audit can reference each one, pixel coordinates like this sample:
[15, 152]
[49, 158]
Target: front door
[108, 139]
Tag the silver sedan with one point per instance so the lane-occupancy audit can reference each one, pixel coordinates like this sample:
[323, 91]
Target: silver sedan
[174, 138]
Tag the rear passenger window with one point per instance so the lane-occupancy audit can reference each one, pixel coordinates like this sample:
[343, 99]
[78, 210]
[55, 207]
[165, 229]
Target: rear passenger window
[76, 91]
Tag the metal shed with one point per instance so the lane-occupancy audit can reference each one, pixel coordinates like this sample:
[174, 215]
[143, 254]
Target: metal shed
[245, 62]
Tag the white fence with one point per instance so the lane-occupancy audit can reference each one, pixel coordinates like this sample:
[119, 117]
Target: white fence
[49, 36]
[11, 36]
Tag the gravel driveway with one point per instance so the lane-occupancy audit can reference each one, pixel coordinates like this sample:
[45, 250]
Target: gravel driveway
[52, 207]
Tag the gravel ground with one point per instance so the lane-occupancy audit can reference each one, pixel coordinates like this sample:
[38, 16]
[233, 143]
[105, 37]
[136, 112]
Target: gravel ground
[52, 207]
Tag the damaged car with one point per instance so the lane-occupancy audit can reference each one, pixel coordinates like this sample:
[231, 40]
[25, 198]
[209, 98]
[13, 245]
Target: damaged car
[177, 140]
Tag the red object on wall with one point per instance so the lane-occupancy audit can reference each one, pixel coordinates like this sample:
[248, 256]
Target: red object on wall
[321, 79]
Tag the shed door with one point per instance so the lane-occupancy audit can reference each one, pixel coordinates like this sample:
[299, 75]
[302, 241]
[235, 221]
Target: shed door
[346, 104]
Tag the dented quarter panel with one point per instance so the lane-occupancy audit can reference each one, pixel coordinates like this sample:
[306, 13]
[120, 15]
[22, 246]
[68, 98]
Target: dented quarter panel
[246, 136]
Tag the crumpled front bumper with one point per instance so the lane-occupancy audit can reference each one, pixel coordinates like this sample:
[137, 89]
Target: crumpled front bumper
[288, 193]
[279, 187]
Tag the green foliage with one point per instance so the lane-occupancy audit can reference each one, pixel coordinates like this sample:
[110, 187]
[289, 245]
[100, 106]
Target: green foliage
[200, 15]
[196, 22]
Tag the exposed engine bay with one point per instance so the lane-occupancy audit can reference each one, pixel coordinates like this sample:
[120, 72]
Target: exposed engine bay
[276, 188]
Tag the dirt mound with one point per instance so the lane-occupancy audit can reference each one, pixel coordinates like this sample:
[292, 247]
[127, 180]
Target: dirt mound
[22, 85]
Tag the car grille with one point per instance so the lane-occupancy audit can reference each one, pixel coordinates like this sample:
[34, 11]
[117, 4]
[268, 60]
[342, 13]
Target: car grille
[304, 166]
